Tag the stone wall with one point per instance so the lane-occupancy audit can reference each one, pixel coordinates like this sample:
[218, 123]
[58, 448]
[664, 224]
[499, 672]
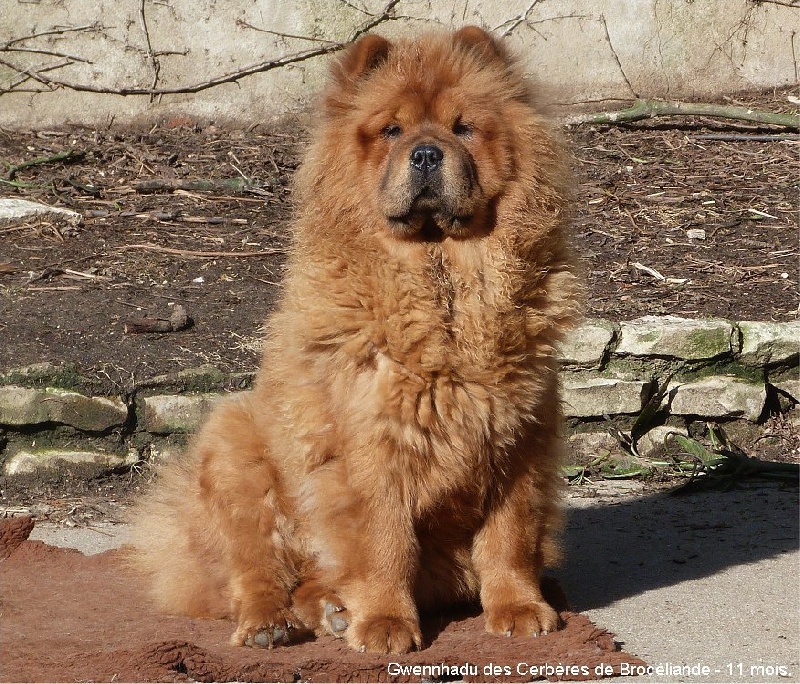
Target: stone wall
[712, 369]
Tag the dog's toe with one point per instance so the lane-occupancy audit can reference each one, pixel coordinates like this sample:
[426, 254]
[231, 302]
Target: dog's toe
[337, 619]
[532, 619]
[283, 629]
[268, 637]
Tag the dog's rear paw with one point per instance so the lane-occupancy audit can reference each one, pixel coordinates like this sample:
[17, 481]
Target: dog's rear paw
[530, 619]
[337, 619]
[283, 629]
[385, 634]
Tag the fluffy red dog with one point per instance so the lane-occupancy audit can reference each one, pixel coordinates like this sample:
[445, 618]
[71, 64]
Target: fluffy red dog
[399, 450]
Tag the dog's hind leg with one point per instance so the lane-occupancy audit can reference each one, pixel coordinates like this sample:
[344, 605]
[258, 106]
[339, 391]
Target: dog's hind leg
[243, 492]
[222, 532]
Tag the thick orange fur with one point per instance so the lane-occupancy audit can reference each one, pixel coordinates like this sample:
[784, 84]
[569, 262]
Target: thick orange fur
[400, 448]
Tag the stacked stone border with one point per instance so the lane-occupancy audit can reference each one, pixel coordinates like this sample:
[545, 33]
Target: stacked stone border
[714, 369]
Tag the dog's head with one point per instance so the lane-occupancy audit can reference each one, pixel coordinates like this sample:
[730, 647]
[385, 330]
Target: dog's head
[424, 131]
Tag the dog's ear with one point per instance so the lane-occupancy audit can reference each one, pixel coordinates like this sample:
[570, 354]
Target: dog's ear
[361, 57]
[481, 43]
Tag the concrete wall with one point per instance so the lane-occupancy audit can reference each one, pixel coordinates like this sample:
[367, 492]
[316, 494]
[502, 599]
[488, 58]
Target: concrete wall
[54, 54]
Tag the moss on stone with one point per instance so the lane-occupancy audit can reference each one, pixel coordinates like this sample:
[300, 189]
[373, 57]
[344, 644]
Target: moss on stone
[64, 376]
[708, 343]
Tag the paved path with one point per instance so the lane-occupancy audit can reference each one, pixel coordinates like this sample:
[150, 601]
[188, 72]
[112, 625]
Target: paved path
[709, 580]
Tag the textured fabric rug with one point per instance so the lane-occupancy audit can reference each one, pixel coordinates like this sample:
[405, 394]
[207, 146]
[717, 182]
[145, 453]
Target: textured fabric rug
[66, 617]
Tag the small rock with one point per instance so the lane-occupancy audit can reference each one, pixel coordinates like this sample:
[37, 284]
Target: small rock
[584, 446]
[26, 406]
[654, 442]
[584, 398]
[27, 462]
[675, 337]
[16, 211]
[765, 342]
[177, 413]
[719, 397]
[586, 346]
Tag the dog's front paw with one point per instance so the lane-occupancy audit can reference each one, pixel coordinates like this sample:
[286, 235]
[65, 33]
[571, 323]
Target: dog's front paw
[277, 630]
[385, 634]
[529, 619]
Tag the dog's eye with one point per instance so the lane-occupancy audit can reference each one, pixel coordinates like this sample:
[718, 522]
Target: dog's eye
[392, 131]
[461, 129]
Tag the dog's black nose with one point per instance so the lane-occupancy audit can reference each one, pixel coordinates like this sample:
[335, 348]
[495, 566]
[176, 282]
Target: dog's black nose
[426, 157]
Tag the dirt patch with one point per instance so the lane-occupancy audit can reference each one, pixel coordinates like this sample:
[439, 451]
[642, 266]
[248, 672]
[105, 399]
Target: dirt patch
[70, 617]
[66, 294]
[200, 218]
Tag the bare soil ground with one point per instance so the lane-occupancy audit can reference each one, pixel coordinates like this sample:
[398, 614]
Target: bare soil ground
[179, 214]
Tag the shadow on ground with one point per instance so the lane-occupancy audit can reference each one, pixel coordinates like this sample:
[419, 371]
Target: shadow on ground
[623, 549]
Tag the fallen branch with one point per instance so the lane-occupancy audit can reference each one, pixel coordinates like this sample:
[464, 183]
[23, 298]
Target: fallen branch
[67, 155]
[202, 255]
[783, 3]
[648, 109]
[748, 137]
[166, 216]
[178, 320]
[173, 184]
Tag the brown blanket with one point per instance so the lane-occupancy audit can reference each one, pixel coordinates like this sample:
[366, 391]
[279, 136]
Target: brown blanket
[69, 617]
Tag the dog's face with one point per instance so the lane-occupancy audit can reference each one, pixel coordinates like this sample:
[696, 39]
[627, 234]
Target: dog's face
[430, 134]
[430, 182]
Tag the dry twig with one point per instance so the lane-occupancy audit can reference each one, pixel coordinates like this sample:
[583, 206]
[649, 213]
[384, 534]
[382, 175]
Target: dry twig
[190, 253]
[67, 155]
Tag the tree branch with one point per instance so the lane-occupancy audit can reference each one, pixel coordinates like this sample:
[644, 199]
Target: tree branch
[616, 56]
[37, 75]
[49, 53]
[783, 3]
[516, 21]
[53, 32]
[648, 109]
[151, 56]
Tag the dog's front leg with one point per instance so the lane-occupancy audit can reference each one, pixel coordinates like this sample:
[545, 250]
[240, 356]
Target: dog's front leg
[508, 557]
[379, 597]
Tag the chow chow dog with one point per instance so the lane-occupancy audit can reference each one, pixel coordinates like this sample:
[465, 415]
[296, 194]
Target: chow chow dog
[399, 450]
